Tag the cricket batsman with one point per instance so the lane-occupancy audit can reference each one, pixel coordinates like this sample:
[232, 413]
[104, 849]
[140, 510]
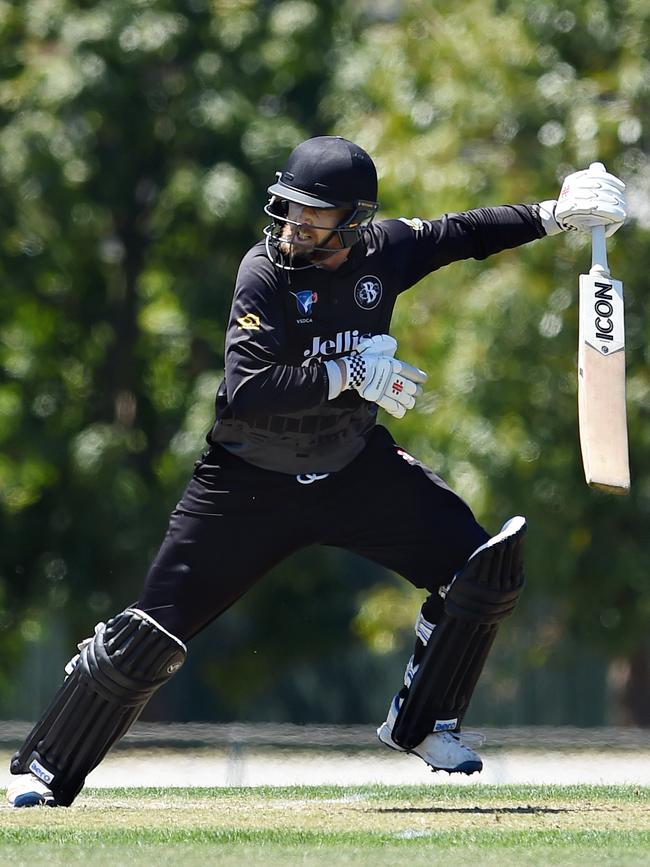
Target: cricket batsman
[295, 457]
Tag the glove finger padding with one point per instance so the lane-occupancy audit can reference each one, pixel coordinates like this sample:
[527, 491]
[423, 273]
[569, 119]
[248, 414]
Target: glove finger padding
[413, 374]
[590, 198]
[379, 344]
[589, 177]
[394, 385]
[376, 375]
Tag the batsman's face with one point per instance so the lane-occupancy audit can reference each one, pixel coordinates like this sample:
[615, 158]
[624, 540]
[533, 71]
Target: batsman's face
[311, 227]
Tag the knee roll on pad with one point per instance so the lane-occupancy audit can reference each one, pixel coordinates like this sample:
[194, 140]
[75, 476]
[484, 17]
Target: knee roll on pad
[481, 595]
[118, 671]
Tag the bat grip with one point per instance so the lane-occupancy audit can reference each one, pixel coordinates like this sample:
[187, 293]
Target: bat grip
[599, 251]
[598, 247]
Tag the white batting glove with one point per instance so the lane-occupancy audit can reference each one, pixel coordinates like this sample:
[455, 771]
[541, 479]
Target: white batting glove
[589, 198]
[379, 344]
[378, 377]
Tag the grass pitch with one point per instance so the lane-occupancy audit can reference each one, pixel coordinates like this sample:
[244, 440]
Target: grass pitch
[370, 825]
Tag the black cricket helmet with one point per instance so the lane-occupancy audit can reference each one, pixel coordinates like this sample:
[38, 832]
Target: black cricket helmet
[323, 172]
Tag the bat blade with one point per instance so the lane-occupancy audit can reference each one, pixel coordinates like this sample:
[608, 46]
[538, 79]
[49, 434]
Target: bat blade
[601, 383]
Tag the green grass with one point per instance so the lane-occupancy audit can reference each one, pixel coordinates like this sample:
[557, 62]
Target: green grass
[329, 825]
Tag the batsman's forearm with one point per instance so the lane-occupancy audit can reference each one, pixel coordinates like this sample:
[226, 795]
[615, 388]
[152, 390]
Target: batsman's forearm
[277, 388]
[484, 231]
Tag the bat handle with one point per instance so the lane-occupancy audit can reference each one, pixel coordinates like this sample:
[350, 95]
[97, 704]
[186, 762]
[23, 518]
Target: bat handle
[599, 252]
[598, 247]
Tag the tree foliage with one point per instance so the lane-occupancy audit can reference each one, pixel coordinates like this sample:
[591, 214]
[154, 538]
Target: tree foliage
[136, 142]
[480, 105]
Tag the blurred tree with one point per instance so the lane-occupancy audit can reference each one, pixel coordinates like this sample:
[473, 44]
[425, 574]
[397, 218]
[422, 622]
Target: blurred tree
[136, 143]
[489, 103]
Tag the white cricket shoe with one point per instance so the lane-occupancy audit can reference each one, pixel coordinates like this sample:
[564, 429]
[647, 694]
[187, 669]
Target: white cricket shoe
[442, 751]
[26, 790]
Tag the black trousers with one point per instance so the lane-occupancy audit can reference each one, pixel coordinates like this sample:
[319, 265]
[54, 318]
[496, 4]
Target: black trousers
[236, 521]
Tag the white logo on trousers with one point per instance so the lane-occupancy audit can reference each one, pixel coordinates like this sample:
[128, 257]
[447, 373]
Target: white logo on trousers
[310, 478]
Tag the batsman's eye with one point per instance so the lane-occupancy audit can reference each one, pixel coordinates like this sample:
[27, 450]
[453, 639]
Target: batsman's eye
[279, 208]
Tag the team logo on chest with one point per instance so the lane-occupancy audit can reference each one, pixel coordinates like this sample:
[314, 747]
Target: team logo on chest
[367, 292]
[305, 300]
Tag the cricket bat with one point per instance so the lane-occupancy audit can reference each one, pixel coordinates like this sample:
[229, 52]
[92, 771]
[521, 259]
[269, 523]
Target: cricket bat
[601, 373]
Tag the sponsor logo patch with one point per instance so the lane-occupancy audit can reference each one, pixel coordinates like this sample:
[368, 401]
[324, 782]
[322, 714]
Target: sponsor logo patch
[367, 292]
[341, 343]
[250, 322]
[39, 771]
[173, 667]
[445, 725]
[415, 223]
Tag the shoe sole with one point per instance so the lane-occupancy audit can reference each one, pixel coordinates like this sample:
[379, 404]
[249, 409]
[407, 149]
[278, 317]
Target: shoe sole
[464, 767]
[33, 799]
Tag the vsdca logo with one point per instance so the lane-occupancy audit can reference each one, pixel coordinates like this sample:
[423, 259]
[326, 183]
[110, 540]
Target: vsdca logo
[305, 300]
[367, 292]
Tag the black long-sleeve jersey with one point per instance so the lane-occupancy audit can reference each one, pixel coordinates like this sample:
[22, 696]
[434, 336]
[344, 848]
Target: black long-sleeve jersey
[272, 408]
